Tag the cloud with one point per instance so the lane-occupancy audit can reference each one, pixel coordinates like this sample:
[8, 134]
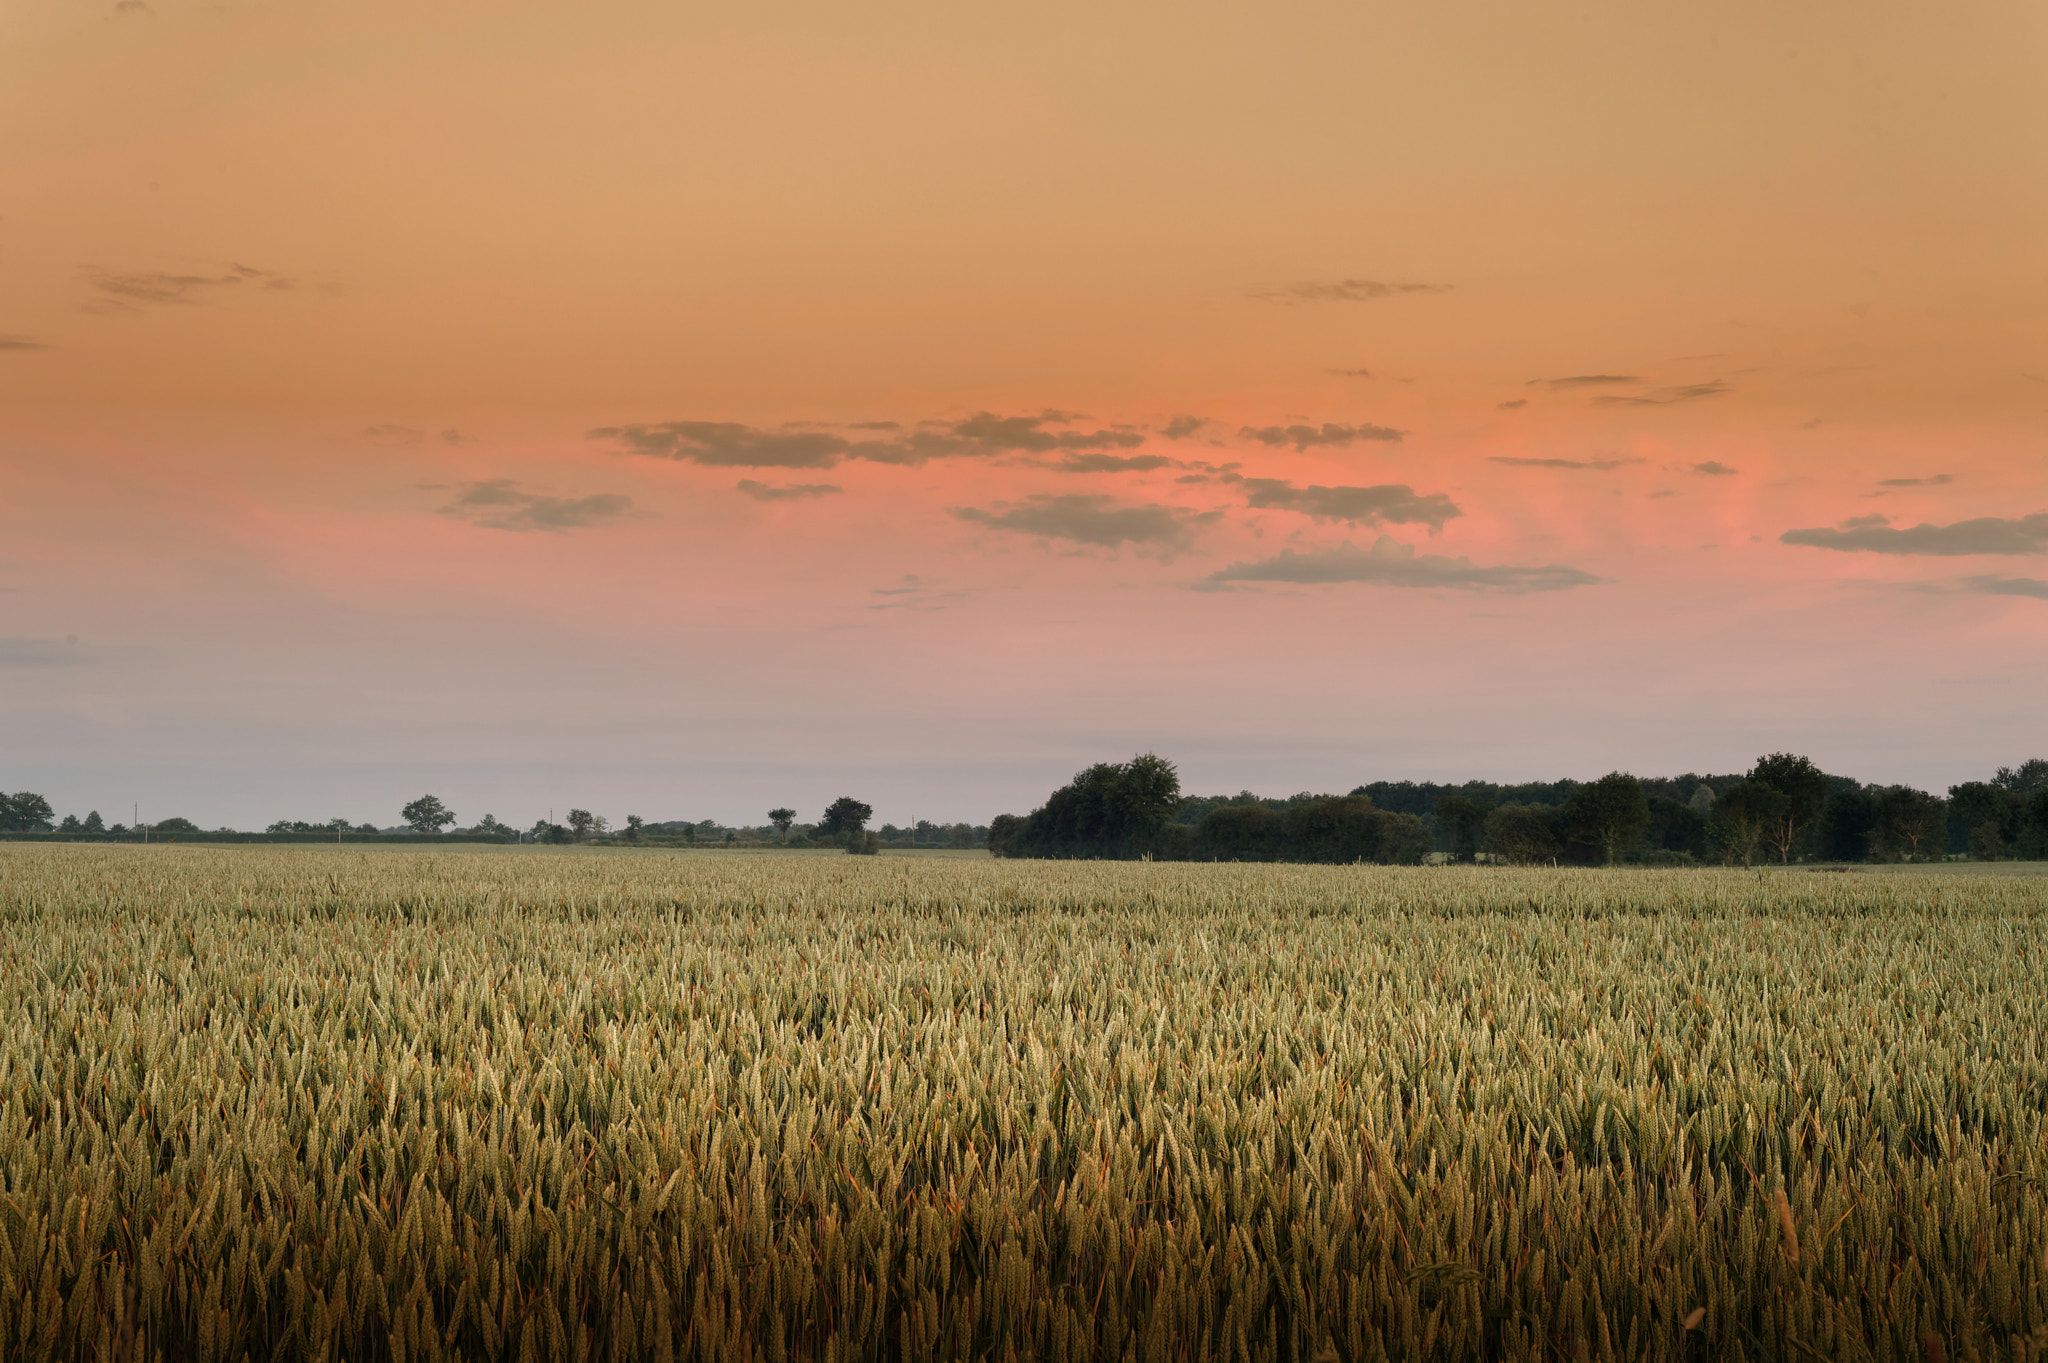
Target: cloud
[1984, 535]
[1393, 564]
[1089, 519]
[131, 291]
[1345, 291]
[913, 593]
[1859, 522]
[1561, 463]
[729, 444]
[131, 9]
[1112, 463]
[1352, 373]
[1664, 397]
[1584, 381]
[21, 343]
[1394, 503]
[1938, 480]
[1181, 427]
[1714, 468]
[1301, 437]
[498, 504]
[2009, 586]
[1510, 406]
[791, 492]
[389, 434]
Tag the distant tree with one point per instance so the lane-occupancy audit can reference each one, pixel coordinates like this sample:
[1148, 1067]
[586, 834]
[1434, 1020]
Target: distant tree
[427, 815]
[1911, 825]
[543, 831]
[1610, 813]
[1741, 815]
[1004, 830]
[960, 835]
[1676, 827]
[1109, 810]
[634, 823]
[175, 826]
[1521, 835]
[1846, 820]
[1975, 804]
[25, 812]
[1804, 788]
[1701, 802]
[2028, 777]
[489, 826]
[340, 826]
[1463, 819]
[368, 830]
[583, 824]
[70, 824]
[93, 823]
[1986, 842]
[845, 815]
[782, 819]
[2033, 825]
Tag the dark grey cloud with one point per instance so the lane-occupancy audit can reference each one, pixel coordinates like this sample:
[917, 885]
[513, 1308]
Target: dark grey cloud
[1938, 480]
[1383, 503]
[788, 492]
[1393, 564]
[1714, 468]
[1352, 373]
[1584, 381]
[1510, 406]
[499, 504]
[21, 343]
[1329, 433]
[2009, 586]
[730, 444]
[1345, 291]
[1112, 463]
[1181, 427]
[131, 291]
[1560, 463]
[1089, 519]
[1984, 535]
[27, 651]
[1664, 397]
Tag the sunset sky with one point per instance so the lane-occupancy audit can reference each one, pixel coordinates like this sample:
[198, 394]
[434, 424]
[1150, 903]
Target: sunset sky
[685, 409]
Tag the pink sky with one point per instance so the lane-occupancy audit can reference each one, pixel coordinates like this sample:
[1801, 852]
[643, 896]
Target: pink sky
[1314, 398]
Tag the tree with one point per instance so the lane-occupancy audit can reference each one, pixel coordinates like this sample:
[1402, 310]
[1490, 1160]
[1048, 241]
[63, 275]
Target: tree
[583, 824]
[1804, 788]
[1004, 831]
[174, 826]
[1846, 820]
[1676, 827]
[1741, 814]
[634, 823]
[70, 824]
[489, 826]
[427, 815]
[845, 815]
[1109, 810]
[782, 819]
[543, 831]
[960, 835]
[1521, 834]
[1911, 824]
[1611, 813]
[2028, 777]
[94, 824]
[1464, 819]
[25, 812]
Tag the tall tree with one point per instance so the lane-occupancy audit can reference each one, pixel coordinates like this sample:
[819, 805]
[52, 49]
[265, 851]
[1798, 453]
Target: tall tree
[845, 815]
[427, 815]
[1804, 787]
[583, 824]
[1742, 813]
[2028, 777]
[1109, 810]
[1463, 819]
[25, 812]
[1611, 813]
[1911, 824]
[782, 819]
[1521, 835]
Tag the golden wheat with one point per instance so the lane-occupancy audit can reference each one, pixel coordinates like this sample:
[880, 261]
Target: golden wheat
[539, 1104]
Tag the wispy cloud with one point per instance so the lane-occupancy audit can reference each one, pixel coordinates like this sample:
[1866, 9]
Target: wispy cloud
[1113, 463]
[1560, 463]
[1714, 468]
[1383, 503]
[1352, 373]
[133, 290]
[913, 593]
[1984, 535]
[788, 492]
[1345, 291]
[500, 504]
[1510, 406]
[1393, 564]
[1181, 427]
[21, 343]
[1584, 381]
[27, 651]
[1938, 480]
[1329, 433]
[1664, 397]
[2009, 586]
[730, 444]
[1092, 519]
[388, 434]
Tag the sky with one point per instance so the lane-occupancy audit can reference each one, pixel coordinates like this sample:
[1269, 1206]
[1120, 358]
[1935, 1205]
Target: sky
[680, 410]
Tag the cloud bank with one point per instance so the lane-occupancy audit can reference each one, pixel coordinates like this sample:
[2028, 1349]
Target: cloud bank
[789, 492]
[1560, 463]
[498, 504]
[1091, 519]
[730, 444]
[1984, 535]
[1329, 433]
[2009, 586]
[1382, 503]
[1390, 563]
[1345, 291]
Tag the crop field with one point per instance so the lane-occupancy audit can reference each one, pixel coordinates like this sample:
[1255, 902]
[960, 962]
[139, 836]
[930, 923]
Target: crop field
[534, 1103]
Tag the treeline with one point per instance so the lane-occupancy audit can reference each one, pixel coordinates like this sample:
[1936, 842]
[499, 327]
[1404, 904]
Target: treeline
[1784, 809]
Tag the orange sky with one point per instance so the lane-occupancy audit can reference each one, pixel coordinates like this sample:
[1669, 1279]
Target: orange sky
[1316, 396]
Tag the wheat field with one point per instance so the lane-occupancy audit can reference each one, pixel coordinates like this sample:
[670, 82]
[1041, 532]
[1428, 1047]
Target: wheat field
[362, 1104]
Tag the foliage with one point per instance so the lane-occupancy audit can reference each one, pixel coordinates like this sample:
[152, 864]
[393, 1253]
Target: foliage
[1802, 790]
[782, 819]
[1521, 835]
[323, 1103]
[1911, 825]
[174, 825]
[1112, 810]
[1609, 814]
[1743, 816]
[1463, 819]
[25, 812]
[584, 825]
[844, 816]
[427, 815]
